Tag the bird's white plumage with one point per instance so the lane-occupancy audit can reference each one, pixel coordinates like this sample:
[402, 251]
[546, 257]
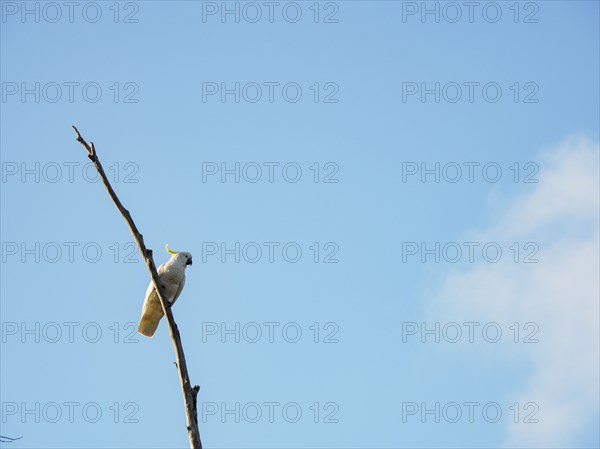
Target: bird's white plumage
[172, 276]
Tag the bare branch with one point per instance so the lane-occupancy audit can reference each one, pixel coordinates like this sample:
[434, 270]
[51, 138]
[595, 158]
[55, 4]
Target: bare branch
[4, 439]
[189, 394]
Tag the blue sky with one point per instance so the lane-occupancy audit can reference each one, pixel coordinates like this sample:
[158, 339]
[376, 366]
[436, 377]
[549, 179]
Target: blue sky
[369, 324]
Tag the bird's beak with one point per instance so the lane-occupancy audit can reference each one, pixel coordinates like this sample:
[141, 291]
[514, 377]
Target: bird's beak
[189, 262]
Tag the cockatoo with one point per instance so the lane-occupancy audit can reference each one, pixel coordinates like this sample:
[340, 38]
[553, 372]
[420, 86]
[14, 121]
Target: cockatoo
[172, 275]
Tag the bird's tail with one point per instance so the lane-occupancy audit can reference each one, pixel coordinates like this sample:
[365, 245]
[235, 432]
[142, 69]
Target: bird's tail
[148, 325]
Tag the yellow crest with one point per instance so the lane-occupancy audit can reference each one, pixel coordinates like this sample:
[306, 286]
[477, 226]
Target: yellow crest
[169, 251]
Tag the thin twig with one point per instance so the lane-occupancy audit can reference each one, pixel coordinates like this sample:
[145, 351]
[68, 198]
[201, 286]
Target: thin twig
[189, 394]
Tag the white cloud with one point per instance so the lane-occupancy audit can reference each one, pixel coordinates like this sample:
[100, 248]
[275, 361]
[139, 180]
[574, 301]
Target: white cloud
[560, 293]
[567, 191]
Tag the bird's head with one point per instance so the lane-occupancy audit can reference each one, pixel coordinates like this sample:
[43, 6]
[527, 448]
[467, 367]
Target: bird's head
[185, 258]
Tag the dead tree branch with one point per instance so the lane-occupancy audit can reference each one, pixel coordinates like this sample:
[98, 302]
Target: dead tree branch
[189, 394]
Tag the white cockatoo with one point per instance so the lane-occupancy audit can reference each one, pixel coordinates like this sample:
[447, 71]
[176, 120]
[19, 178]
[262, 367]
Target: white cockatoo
[172, 276]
